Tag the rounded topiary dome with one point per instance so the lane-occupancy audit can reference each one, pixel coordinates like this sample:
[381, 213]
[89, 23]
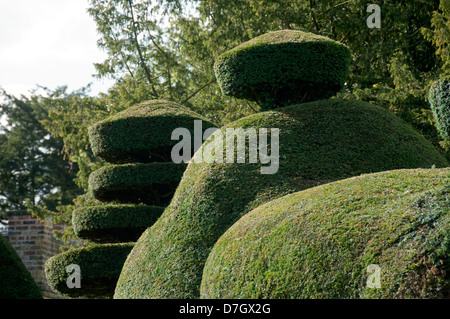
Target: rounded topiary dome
[284, 67]
[142, 133]
[16, 281]
[319, 142]
[319, 243]
[439, 98]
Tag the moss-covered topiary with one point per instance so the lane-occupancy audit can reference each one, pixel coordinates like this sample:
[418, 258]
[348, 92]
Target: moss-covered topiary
[142, 133]
[149, 183]
[114, 223]
[284, 67]
[100, 266]
[16, 281]
[439, 98]
[319, 142]
[318, 243]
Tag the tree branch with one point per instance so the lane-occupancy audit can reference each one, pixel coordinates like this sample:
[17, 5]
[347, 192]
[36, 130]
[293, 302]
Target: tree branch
[312, 4]
[123, 57]
[197, 91]
[138, 48]
[158, 47]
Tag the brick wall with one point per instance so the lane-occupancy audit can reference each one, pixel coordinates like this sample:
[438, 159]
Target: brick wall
[34, 242]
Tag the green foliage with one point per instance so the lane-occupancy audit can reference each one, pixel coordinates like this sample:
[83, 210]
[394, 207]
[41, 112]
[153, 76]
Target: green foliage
[282, 68]
[142, 133]
[32, 166]
[70, 115]
[407, 99]
[319, 142]
[318, 243]
[149, 183]
[15, 280]
[140, 54]
[439, 33]
[114, 223]
[439, 98]
[45, 157]
[100, 266]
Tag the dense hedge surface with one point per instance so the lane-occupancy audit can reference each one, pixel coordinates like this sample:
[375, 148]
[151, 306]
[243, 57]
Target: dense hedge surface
[439, 99]
[319, 142]
[100, 266]
[114, 223]
[284, 67]
[318, 243]
[148, 183]
[142, 133]
[16, 281]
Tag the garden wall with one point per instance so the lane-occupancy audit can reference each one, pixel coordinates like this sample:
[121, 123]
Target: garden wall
[34, 242]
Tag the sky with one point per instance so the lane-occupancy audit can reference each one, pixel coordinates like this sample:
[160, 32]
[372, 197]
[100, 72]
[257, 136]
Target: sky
[48, 43]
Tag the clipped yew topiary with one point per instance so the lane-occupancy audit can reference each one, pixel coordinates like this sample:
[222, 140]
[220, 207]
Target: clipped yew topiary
[319, 243]
[439, 99]
[16, 281]
[284, 67]
[142, 133]
[114, 223]
[149, 183]
[130, 192]
[100, 266]
[319, 142]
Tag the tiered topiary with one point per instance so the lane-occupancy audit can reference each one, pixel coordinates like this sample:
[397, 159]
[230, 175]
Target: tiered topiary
[319, 243]
[16, 281]
[439, 98]
[284, 68]
[131, 191]
[319, 142]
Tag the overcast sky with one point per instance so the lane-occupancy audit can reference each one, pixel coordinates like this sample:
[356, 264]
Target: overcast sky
[48, 43]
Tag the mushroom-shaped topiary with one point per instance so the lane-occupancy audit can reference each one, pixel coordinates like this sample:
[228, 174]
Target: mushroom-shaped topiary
[319, 142]
[284, 67]
[320, 242]
[439, 98]
[16, 281]
[130, 194]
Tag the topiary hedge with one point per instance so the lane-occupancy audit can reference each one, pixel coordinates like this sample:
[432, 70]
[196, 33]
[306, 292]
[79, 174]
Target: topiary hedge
[284, 67]
[148, 183]
[439, 99]
[100, 266]
[142, 133]
[114, 223]
[318, 243]
[16, 281]
[319, 142]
